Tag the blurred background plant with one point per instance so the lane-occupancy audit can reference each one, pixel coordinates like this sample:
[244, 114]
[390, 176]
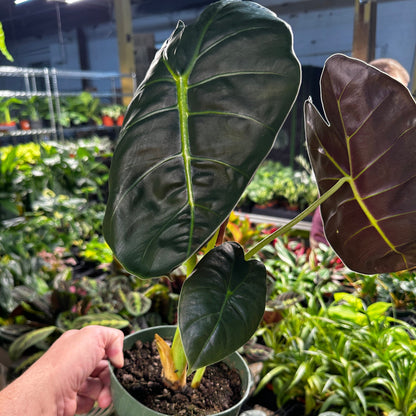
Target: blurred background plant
[277, 184]
[332, 337]
[341, 359]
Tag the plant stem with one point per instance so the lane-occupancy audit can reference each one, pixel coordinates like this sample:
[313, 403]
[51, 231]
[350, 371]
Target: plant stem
[287, 227]
[196, 381]
[7, 115]
[176, 350]
[190, 264]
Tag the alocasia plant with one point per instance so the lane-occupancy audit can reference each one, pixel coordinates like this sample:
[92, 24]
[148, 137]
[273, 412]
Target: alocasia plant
[201, 122]
[203, 119]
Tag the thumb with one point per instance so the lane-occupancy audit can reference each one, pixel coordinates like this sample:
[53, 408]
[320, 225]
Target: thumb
[113, 346]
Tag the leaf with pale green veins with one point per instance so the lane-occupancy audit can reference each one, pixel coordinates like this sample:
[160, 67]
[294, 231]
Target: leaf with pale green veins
[27, 340]
[221, 304]
[370, 140]
[101, 318]
[201, 122]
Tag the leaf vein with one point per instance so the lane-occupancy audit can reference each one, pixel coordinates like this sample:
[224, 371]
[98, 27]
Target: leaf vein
[233, 74]
[224, 38]
[243, 116]
[385, 152]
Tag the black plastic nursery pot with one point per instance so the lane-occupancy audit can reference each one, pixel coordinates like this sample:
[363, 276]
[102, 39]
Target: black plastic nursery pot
[127, 405]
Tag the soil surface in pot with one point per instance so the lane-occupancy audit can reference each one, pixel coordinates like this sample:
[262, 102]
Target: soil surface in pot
[220, 388]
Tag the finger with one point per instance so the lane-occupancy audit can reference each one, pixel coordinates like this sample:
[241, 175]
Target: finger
[84, 404]
[69, 333]
[91, 388]
[111, 340]
[102, 366]
[104, 376]
[104, 399]
[114, 347]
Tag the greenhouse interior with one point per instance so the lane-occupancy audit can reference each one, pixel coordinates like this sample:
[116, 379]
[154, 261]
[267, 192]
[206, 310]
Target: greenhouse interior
[258, 148]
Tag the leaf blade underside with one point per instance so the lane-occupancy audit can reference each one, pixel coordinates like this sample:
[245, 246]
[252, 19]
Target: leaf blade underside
[370, 140]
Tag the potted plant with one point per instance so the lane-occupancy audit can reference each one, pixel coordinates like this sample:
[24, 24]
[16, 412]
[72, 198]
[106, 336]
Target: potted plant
[79, 110]
[192, 93]
[201, 122]
[107, 116]
[121, 109]
[29, 113]
[113, 115]
[87, 106]
[6, 105]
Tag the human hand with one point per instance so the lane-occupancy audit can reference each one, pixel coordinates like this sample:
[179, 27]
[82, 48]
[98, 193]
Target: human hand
[70, 377]
[84, 377]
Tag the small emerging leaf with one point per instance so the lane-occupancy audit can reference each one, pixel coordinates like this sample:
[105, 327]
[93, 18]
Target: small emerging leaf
[170, 374]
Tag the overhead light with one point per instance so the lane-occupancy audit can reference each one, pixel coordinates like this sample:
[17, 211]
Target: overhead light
[20, 1]
[61, 1]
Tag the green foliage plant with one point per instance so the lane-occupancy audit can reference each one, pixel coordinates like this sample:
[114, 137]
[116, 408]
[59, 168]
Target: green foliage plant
[398, 288]
[342, 359]
[30, 108]
[10, 203]
[79, 109]
[292, 270]
[41, 211]
[113, 111]
[275, 182]
[6, 106]
[197, 87]
[72, 304]
[97, 250]
[68, 168]
[266, 183]
[202, 121]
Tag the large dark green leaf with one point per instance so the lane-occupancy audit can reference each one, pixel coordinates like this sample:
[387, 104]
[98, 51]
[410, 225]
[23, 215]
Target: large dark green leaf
[371, 141]
[201, 122]
[221, 304]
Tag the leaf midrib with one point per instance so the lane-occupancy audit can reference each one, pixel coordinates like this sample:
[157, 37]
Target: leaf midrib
[183, 108]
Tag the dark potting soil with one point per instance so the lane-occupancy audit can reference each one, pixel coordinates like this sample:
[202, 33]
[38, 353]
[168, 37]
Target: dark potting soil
[220, 388]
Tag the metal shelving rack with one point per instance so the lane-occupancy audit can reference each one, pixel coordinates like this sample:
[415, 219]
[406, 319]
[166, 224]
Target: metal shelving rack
[51, 78]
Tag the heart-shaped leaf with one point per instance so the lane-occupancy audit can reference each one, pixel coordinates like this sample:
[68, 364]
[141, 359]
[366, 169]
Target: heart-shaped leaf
[201, 122]
[221, 304]
[371, 142]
